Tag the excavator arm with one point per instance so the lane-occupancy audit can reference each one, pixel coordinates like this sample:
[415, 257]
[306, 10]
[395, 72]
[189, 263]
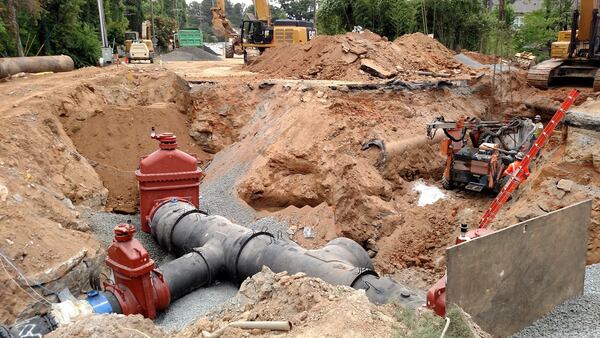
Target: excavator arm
[262, 11]
[221, 25]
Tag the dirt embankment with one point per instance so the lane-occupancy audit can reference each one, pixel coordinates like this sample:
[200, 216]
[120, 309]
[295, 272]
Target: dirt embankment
[219, 111]
[109, 121]
[310, 170]
[42, 175]
[360, 57]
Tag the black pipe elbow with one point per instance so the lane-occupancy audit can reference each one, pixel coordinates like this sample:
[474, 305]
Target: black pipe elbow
[350, 251]
[196, 269]
[213, 246]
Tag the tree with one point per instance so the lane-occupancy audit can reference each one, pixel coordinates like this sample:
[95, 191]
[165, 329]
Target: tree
[12, 8]
[235, 13]
[62, 32]
[164, 30]
[298, 9]
[135, 14]
[276, 12]
[541, 27]
[194, 14]
[176, 9]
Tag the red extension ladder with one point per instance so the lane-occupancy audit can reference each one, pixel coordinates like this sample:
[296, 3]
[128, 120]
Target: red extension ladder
[514, 181]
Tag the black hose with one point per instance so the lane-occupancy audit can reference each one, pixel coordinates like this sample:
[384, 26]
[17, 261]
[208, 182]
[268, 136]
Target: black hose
[462, 136]
[212, 246]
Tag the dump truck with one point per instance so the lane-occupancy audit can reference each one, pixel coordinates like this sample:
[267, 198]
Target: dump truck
[189, 37]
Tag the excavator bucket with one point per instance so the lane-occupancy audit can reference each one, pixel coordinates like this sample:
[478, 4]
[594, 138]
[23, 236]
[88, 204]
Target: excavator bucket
[221, 25]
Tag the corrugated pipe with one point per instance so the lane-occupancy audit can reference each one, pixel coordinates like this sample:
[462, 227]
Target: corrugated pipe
[213, 247]
[35, 64]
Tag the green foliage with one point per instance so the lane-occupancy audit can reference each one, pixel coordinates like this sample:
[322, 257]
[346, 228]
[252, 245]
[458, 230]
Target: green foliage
[499, 41]
[165, 26]
[428, 325]
[276, 12]
[5, 40]
[298, 9]
[82, 46]
[541, 27]
[235, 13]
[116, 22]
[456, 23]
[64, 33]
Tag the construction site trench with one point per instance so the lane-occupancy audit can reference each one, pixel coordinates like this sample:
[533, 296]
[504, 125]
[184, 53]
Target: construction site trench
[282, 154]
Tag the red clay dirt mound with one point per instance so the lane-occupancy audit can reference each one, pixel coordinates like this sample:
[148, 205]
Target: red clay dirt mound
[361, 56]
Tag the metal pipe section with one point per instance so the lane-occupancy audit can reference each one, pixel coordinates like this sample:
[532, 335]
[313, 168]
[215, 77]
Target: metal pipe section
[35, 64]
[213, 247]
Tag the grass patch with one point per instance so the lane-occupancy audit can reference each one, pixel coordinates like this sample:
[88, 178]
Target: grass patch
[428, 325]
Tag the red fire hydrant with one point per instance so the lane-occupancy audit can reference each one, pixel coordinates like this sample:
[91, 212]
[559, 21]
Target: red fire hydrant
[167, 174]
[139, 287]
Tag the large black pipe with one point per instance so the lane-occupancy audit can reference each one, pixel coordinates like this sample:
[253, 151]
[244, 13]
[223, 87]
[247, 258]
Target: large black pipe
[213, 247]
[35, 64]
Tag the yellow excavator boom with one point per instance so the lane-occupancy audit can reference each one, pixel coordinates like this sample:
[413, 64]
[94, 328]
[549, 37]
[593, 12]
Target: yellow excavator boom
[221, 25]
[262, 11]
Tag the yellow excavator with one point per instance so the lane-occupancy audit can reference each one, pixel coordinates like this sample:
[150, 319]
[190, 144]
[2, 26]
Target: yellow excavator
[575, 57]
[258, 32]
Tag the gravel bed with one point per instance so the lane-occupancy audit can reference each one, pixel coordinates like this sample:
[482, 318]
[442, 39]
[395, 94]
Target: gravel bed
[579, 317]
[219, 197]
[194, 305]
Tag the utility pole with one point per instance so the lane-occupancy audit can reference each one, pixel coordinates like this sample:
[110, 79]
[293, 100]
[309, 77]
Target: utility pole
[154, 40]
[177, 13]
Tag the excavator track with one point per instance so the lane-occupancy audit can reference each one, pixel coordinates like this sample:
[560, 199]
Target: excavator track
[541, 75]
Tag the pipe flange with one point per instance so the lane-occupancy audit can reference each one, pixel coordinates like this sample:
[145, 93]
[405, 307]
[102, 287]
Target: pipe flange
[208, 267]
[363, 272]
[237, 257]
[182, 216]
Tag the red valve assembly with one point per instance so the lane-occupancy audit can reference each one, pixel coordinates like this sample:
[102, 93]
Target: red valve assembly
[167, 174]
[138, 287]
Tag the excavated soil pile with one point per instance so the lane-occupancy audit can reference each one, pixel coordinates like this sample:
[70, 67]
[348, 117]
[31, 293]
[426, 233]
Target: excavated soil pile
[117, 326]
[362, 56]
[314, 308]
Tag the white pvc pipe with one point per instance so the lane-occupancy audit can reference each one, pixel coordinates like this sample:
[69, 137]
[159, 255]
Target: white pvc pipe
[249, 325]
